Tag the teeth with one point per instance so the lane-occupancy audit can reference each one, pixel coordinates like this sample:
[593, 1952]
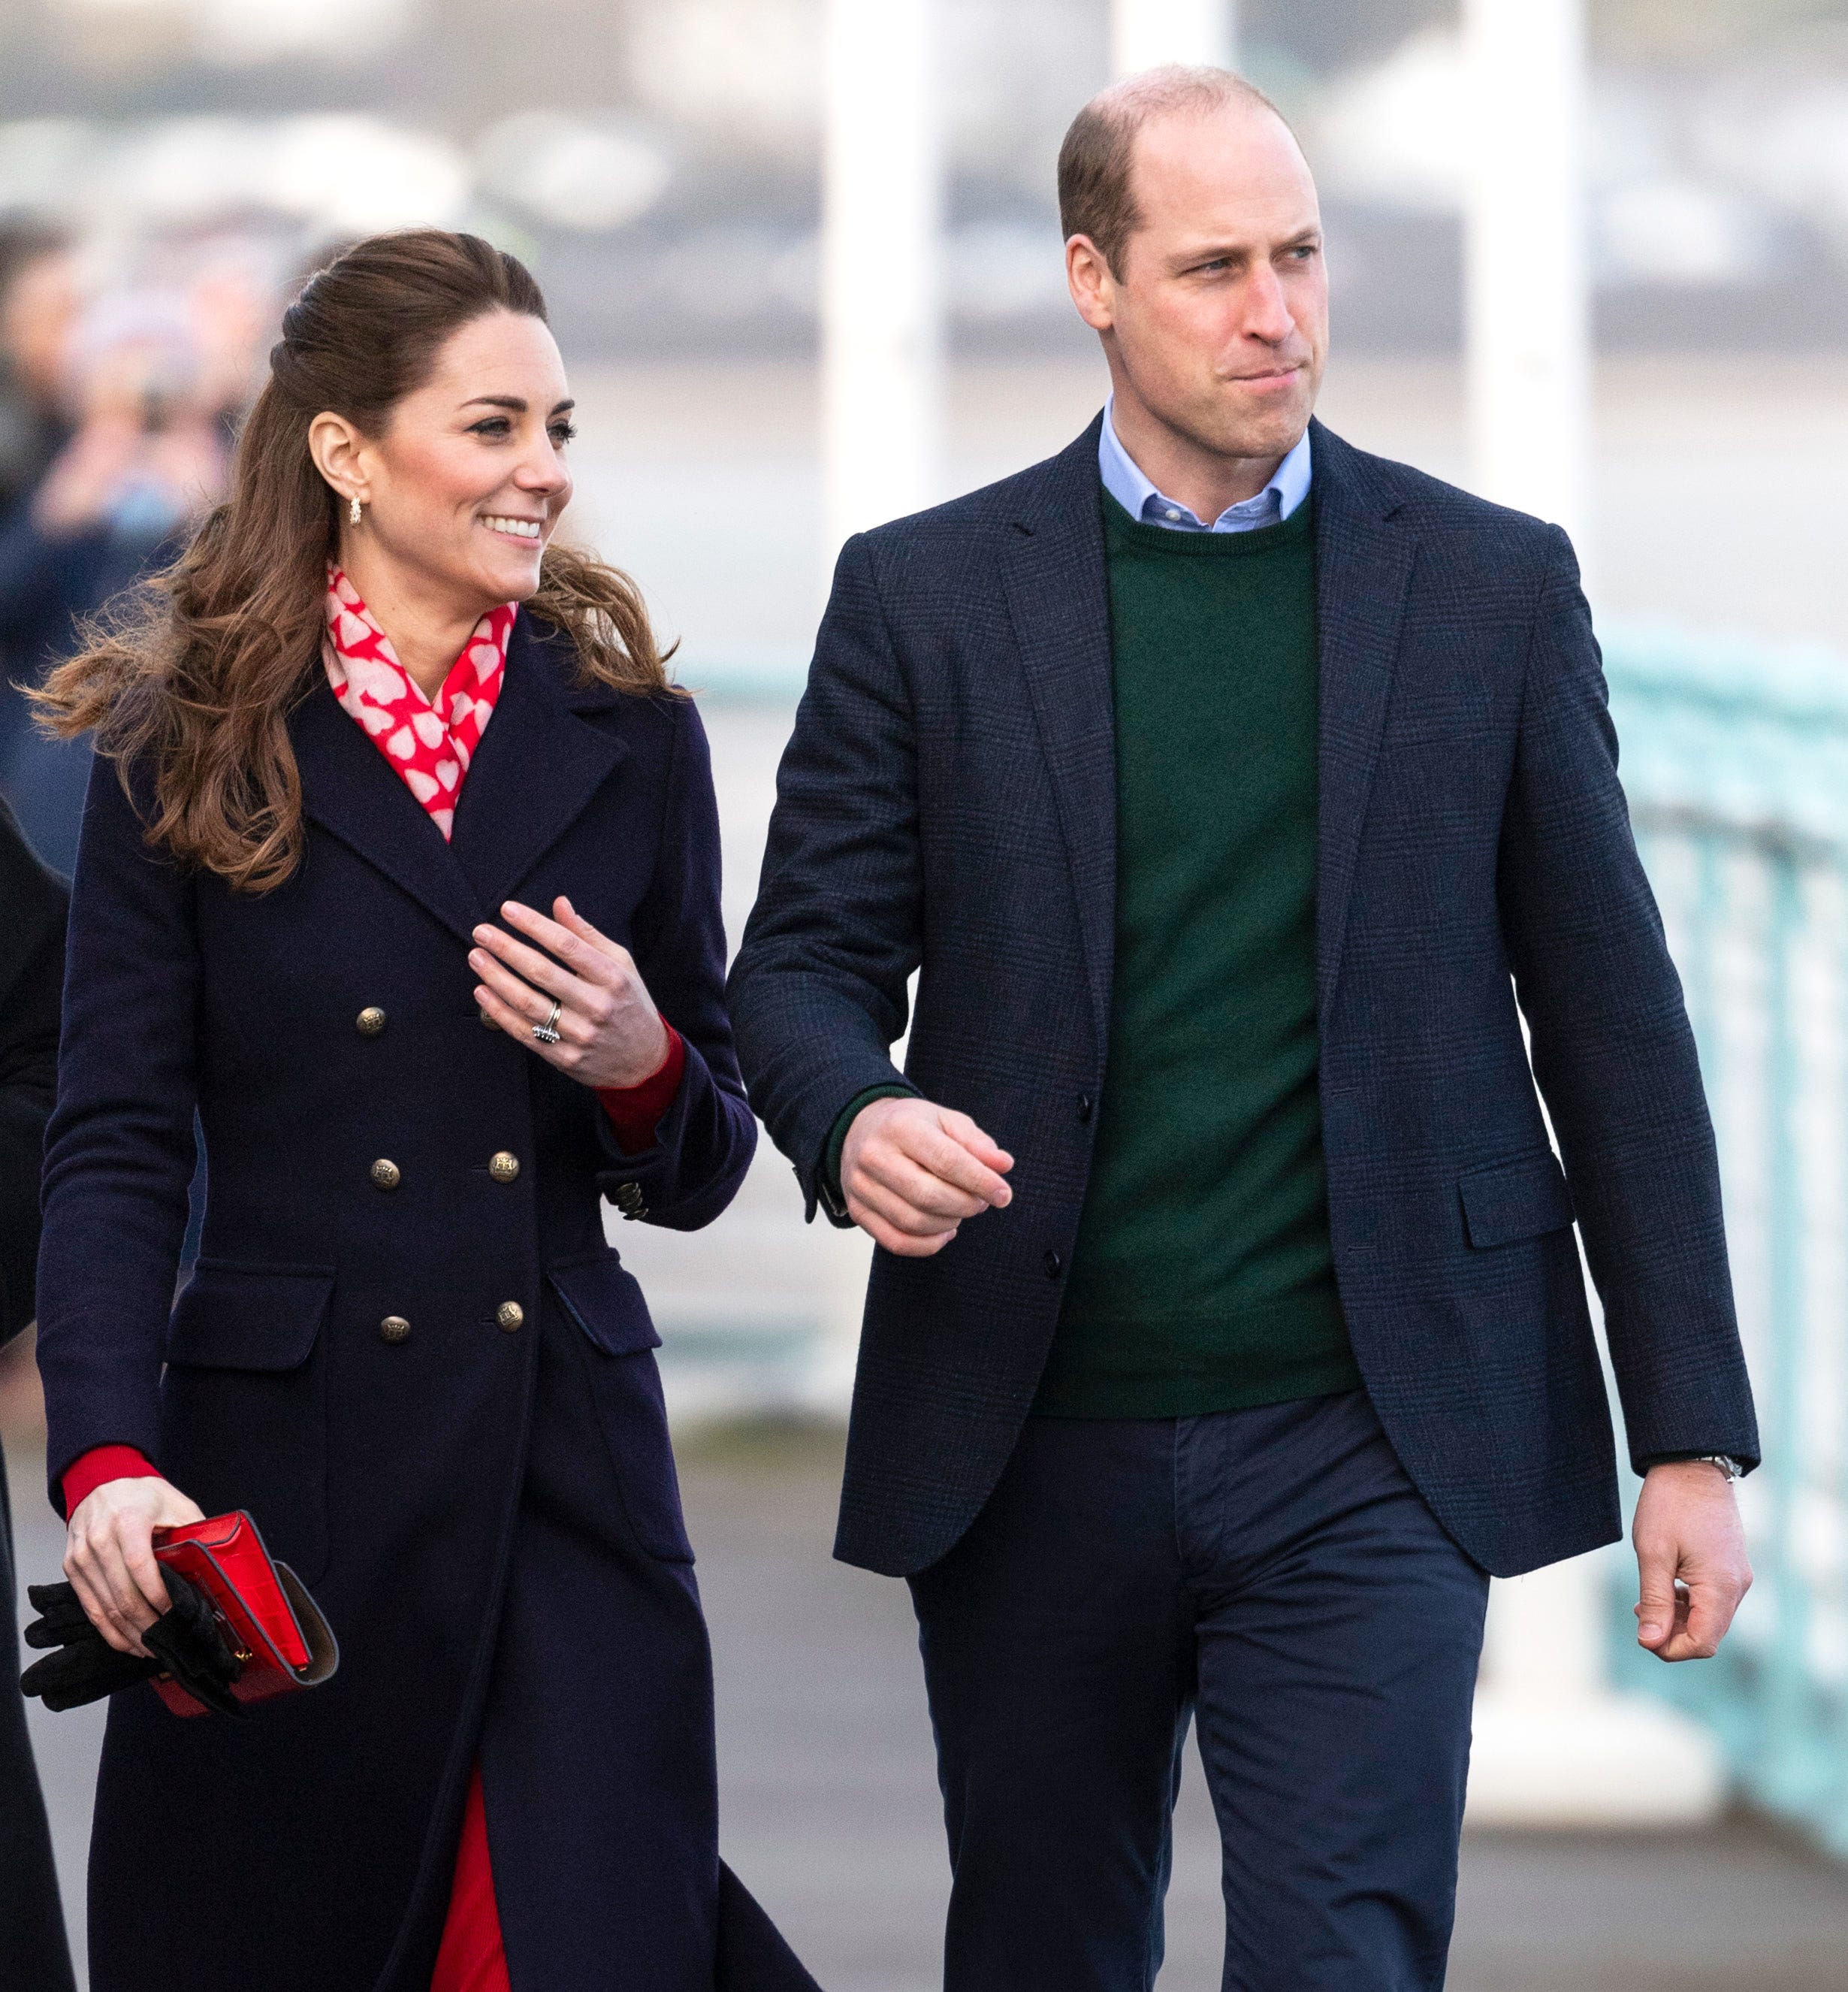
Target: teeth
[524, 529]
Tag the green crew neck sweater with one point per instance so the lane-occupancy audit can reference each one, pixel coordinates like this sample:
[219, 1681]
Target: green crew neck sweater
[1202, 1278]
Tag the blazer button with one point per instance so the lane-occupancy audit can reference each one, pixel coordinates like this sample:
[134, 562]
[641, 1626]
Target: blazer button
[510, 1315]
[369, 1021]
[1084, 1108]
[394, 1328]
[629, 1200]
[503, 1166]
[1055, 1265]
[386, 1175]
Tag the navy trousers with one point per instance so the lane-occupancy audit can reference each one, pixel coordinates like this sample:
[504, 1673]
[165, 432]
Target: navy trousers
[1271, 1574]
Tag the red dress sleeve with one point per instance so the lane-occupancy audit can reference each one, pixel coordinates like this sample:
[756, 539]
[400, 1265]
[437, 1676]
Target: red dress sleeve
[635, 1111]
[90, 1470]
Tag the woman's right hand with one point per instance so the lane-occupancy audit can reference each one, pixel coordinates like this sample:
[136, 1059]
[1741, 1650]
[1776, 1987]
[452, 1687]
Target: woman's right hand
[109, 1556]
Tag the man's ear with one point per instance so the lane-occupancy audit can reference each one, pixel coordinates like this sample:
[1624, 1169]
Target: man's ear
[337, 447]
[1092, 287]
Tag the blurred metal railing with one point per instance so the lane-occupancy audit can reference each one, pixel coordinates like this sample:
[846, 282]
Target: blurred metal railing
[1735, 760]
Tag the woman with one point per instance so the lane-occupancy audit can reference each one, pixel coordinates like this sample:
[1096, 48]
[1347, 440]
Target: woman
[387, 766]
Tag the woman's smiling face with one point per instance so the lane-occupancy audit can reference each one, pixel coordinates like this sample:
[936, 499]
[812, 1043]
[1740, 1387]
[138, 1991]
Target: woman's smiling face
[463, 489]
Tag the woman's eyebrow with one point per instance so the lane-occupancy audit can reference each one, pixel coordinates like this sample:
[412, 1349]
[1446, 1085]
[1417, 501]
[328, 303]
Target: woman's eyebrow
[515, 404]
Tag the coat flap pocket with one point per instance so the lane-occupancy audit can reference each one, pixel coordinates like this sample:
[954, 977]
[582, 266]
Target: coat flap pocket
[1517, 1200]
[606, 1303]
[231, 1316]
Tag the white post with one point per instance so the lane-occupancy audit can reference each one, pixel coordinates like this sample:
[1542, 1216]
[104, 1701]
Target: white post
[882, 290]
[1146, 32]
[1554, 1745]
[1529, 300]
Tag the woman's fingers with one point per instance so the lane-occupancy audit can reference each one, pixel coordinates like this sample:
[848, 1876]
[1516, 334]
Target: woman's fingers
[516, 958]
[99, 1607]
[108, 1590]
[574, 942]
[526, 1005]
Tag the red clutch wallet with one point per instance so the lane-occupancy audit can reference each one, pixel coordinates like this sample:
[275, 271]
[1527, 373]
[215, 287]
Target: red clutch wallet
[269, 1621]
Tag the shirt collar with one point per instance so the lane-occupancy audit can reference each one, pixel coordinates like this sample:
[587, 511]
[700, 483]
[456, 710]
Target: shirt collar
[1288, 487]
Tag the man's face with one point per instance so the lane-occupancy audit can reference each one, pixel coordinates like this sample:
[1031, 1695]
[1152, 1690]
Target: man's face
[1219, 314]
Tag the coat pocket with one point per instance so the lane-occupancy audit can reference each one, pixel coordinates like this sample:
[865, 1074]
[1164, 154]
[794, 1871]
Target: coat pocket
[1521, 1198]
[606, 1304]
[243, 1401]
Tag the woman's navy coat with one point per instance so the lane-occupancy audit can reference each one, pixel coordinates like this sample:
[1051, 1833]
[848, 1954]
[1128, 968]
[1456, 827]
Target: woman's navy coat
[316, 1838]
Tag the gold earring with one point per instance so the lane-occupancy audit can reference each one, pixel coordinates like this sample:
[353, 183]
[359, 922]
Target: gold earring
[352, 511]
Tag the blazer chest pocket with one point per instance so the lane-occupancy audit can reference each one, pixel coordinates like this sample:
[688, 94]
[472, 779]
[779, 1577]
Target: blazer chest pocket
[605, 1305]
[243, 1401]
[1523, 1199]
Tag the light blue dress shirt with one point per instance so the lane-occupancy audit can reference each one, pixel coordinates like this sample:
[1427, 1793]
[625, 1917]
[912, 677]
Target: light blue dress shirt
[1288, 487]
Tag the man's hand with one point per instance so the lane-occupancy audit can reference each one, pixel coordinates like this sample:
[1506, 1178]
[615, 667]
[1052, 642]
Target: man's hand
[912, 1172]
[1690, 1560]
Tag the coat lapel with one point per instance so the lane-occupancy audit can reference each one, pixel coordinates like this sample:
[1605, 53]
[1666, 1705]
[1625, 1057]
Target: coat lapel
[1053, 569]
[350, 790]
[537, 766]
[1363, 565]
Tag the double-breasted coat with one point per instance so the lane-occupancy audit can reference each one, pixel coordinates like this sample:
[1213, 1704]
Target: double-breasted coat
[407, 1349]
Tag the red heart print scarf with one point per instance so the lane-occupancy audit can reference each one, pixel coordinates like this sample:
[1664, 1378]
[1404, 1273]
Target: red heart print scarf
[430, 745]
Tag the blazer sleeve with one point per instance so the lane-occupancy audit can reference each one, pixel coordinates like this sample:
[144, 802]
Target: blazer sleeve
[31, 977]
[120, 1150]
[704, 1141]
[818, 991]
[1613, 1051]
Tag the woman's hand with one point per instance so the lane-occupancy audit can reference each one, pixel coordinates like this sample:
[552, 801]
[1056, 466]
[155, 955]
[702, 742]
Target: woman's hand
[609, 1032]
[109, 1556]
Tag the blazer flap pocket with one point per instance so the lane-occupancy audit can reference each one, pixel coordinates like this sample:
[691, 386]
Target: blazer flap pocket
[241, 1317]
[606, 1303]
[1517, 1200]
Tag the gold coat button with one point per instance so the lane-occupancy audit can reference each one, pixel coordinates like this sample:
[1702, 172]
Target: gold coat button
[386, 1175]
[503, 1166]
[509, 1315]
[369, 1021]
[394, 1328]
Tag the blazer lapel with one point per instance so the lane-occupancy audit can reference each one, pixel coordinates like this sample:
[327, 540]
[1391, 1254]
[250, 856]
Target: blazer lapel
[350, 790]
[536, 768]
[1053, 570]
[1363, 565]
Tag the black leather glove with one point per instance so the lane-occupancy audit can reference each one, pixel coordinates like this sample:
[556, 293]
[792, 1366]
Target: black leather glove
[82, 1667]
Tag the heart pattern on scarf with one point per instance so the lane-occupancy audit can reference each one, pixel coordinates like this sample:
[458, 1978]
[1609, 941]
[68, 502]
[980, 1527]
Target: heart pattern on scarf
[430, 744]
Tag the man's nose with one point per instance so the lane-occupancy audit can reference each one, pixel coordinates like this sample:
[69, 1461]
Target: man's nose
[1267, 314]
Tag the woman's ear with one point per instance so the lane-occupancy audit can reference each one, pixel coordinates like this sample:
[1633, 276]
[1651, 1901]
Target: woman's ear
[337, 448]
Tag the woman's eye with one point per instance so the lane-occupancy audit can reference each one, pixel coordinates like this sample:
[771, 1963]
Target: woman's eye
[563, 432]
[491, 425]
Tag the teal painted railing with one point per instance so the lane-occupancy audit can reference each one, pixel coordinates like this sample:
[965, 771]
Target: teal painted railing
[1735, 760]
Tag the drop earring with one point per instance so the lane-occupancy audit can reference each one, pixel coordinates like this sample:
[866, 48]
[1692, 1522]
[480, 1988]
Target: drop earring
[352, 511]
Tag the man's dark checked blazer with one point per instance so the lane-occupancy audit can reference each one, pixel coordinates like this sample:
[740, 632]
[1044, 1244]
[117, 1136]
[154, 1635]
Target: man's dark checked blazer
[948, 799]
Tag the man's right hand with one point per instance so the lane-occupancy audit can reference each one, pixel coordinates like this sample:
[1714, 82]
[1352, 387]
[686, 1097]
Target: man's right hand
[109, 1556]
[910, 1173]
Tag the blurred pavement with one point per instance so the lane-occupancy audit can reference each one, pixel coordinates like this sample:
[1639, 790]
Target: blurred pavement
[829, 1805]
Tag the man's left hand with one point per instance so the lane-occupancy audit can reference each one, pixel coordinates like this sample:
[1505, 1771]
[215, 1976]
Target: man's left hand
[1690, 1560]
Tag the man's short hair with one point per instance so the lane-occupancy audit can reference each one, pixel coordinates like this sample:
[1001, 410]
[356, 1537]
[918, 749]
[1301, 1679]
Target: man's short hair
[1095, 196]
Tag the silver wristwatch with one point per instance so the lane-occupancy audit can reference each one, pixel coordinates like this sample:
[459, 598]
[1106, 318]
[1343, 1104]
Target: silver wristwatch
[1724, 1461]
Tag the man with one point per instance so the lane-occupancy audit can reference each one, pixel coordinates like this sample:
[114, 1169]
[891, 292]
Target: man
[31, 974]
[1219, 777]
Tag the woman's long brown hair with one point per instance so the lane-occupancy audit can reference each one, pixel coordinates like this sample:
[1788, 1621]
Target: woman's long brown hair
[191, 682]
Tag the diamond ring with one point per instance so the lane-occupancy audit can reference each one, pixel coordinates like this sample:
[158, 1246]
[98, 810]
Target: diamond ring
[548, 1032]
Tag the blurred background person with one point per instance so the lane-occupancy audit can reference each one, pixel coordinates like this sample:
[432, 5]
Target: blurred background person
[151, 376]
[34, 1956]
